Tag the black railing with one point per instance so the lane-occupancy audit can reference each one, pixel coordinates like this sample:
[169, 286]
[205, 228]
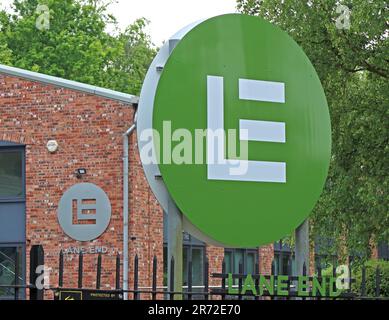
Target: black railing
[61, 291]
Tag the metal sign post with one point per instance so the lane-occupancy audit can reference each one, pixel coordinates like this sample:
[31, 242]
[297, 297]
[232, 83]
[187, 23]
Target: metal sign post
[175, 247]
[302, 248]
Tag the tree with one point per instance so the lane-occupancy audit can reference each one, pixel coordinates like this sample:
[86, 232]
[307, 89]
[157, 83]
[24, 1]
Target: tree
[352, 62]
[135, 47]
[68, 38]
[5, 52]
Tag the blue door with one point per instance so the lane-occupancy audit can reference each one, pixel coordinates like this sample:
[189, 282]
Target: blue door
[12, 217]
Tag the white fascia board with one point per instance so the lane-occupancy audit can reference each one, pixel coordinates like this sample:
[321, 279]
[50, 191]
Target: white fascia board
[69, 84]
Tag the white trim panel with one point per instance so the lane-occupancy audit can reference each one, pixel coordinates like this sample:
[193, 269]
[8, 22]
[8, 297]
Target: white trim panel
[254, 171]
[73, 85]
[266, 131]
[258, 90]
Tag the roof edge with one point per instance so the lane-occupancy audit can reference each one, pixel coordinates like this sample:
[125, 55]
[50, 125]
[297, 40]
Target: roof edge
[69, 84]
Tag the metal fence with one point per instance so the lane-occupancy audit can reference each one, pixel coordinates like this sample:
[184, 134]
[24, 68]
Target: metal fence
[189, 292]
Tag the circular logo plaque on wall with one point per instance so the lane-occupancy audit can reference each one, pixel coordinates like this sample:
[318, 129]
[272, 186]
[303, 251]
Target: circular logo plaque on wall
[84, 212]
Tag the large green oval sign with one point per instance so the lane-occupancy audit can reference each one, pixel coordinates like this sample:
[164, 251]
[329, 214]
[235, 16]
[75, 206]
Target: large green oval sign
[243, 76]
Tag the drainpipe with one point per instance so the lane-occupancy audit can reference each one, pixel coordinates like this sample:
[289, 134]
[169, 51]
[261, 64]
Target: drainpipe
[126, 136]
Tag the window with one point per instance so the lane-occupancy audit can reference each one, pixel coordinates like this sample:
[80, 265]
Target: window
[193, 253]
[383, 251]
[193, 250]
[12, 218]
[247, 258]
[11, 173]
[7, 270]
[324, 255]
[233, 257]
[197, 256]
[283, 257]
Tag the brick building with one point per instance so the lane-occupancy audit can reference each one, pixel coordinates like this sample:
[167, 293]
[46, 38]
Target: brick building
[85, 124]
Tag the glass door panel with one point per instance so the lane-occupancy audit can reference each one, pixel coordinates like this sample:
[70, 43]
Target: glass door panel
[8, 271]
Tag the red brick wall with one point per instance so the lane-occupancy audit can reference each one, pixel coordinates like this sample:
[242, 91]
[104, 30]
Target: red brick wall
[89, 131]
[145, 224]
[266, 254]
[215, 258]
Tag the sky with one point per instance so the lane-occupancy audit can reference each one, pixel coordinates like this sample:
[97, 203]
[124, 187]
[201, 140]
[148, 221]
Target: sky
[165, 16]
[168, 16]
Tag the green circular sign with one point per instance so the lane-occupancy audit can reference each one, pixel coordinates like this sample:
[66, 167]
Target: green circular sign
[245, 77]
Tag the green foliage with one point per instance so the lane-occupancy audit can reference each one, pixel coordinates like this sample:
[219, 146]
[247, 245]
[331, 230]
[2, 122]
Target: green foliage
[371, 267]
[370, 284]
[5, 52]
[135, 46]
[327, 272]
[76, 44]
[353, 66]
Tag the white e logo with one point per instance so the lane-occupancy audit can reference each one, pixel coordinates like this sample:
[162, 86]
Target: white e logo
[250, 130]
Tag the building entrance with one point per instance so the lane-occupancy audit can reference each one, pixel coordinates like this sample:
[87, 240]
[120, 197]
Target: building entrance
[12, 217]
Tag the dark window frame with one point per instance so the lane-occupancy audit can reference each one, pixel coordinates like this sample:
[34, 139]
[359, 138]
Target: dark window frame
[383, 251]
[190, 248]
[245, 252]
[282, 250]
[21, 249]
[5, 148]
[186, 246]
